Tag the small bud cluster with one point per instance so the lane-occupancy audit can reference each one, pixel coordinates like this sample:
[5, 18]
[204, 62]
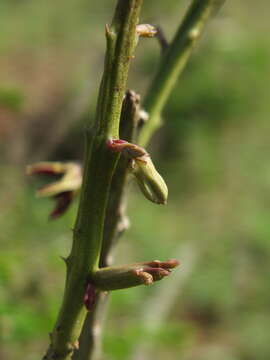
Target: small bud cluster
[63, 190]
[155, 270]
[125, 276]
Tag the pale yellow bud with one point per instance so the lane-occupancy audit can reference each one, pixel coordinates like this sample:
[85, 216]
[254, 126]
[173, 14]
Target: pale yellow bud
[149, 180]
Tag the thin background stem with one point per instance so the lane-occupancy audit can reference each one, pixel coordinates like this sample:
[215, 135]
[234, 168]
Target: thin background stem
[173, 62]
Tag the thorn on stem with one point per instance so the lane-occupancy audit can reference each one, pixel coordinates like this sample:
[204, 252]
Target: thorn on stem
[65, 259]
[110, 35]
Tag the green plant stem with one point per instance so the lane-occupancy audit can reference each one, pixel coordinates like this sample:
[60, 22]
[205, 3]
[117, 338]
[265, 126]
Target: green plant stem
[114, 226]
[174, 61]
[98, 171]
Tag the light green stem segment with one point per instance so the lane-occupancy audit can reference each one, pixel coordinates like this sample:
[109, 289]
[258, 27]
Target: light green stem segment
[99, 167]
[174, 61]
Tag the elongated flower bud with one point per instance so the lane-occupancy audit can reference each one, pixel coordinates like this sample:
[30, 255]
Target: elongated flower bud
[149, 180]
[125, 276]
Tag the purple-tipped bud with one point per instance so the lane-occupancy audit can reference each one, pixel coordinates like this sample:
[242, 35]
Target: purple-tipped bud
[120, 277]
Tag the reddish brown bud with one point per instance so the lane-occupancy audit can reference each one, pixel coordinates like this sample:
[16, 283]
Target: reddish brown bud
[130, 150]
[63, 200]
[169, 264]
[89, 298]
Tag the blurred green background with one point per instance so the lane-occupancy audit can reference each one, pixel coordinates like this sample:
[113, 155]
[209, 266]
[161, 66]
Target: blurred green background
[213, 152]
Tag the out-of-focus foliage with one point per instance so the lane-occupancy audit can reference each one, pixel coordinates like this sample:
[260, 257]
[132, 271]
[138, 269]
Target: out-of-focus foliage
[213, 151]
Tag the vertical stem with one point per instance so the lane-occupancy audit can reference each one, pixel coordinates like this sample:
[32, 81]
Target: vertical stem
[174, 61]
[99, 167]
[113, 227]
